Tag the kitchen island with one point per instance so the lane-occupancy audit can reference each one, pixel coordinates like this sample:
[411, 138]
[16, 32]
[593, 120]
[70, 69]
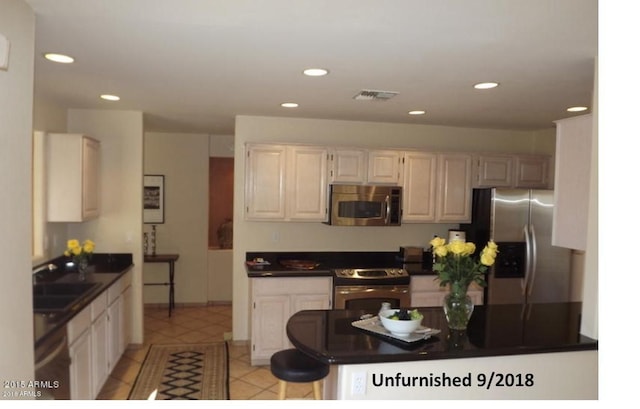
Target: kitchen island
[530, 351]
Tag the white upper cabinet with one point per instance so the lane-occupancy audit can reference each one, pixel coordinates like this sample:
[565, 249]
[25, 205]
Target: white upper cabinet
[265, 182]
[286, 183]
[419, 187]
[532, 171]
[348, 166]
[511, 171]
[306, 176]
[436, 187]
[493, 171]
[572, 182]
[362, 166]
[73, 178]
[454, 188]
[384, 167]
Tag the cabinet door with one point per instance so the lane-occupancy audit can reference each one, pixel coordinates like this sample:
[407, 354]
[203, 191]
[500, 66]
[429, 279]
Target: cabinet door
[310, 302]
[428, 299]
[494, 171]
[73, 177]
[270, 315]
[532, 171]
[477, 297]
[100, 352]
[80, 370]
[90, 178]
[383, 167]
[419, 187]
[114, 312]
[306, 175]
[265, 182]
[454, 188]
[572, 182]
[127, 322]
[348, 166]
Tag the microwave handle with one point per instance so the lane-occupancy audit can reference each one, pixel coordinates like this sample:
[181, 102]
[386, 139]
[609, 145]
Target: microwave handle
[387, 218]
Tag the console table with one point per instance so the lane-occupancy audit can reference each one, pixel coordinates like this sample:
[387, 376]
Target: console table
[171, 260]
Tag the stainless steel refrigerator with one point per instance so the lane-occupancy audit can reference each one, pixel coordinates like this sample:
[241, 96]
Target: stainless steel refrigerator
[528, 268]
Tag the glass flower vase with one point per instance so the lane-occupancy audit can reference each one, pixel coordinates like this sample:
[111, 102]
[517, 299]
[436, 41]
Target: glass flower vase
[458, 307]
[82, 264]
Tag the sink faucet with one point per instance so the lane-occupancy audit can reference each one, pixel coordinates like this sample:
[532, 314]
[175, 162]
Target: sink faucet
[37, 274]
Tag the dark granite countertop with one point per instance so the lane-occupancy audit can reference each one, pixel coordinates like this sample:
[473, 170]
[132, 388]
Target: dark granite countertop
[327, 262]
[105, 269]
[494, 330]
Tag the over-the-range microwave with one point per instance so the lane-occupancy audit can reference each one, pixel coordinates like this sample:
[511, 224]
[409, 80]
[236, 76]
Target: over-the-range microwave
[365, 205]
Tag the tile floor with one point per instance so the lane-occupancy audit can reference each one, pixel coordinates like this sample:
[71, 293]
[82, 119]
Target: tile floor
[199, 324]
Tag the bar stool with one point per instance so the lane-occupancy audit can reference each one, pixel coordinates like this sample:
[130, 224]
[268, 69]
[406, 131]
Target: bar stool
[291, 365]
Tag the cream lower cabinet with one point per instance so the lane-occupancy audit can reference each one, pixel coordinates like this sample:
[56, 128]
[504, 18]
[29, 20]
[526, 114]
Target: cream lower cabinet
[99, 343]
[286, 183]
[97, 337]
[426, 292]
[80, 353]
[274, 300]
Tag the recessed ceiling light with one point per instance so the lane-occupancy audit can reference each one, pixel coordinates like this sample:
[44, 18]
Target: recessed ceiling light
[110, 97]
[61, 58]
[315, 72]
[289, 105]
[485, 85]
[417, 112]
[577, 109]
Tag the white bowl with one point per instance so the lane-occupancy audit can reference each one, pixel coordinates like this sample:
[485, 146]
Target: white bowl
[401, 328]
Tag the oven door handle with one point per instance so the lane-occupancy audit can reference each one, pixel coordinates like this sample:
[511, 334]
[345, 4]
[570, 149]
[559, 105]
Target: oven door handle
[363, 290]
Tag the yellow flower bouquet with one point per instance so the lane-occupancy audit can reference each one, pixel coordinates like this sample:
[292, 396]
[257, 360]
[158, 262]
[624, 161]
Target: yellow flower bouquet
[80, 253]
[455, 263]
[457, 268]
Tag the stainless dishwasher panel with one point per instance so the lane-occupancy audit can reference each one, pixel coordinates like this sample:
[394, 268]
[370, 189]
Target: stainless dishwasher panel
[52, 367]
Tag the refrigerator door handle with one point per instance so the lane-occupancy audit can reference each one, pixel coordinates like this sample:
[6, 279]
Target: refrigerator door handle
[527, 265]
[534, 258]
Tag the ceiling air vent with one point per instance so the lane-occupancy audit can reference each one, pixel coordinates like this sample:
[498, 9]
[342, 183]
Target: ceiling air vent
[372, 95]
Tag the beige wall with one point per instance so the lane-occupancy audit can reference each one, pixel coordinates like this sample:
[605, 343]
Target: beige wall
[274, 236]
[119, 227]
[17, 24]
[183, 159]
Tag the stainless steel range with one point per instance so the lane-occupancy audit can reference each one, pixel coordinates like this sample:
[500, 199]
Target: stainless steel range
[368, 288]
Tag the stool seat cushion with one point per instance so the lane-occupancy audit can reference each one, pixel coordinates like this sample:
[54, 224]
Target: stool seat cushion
[292, 365]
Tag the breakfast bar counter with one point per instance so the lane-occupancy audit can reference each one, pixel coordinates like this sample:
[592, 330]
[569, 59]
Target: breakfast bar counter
[514, 351]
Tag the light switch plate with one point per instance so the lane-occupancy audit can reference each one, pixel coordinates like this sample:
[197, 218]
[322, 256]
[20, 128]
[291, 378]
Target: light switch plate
[4, 52]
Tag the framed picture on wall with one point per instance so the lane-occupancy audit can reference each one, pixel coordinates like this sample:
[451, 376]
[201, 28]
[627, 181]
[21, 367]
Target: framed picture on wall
[153, 199]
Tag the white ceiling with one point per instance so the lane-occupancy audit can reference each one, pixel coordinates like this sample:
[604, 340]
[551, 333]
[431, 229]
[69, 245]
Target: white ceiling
[193, 65]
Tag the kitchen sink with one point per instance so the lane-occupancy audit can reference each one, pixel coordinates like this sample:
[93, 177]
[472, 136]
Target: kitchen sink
[70, 289]
[53, 303]
[59, 297]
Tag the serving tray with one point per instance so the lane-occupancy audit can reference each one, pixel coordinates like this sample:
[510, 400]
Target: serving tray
[374, 326]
